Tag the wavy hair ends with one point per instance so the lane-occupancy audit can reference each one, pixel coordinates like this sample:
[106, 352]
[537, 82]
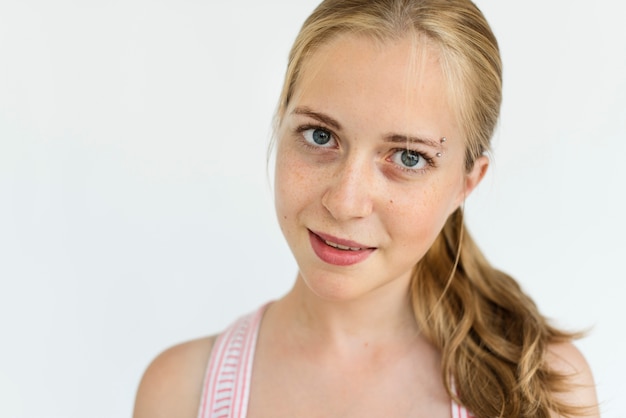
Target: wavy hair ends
[491, 335]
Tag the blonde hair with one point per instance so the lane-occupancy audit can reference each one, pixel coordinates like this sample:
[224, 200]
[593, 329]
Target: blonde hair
[492, 338]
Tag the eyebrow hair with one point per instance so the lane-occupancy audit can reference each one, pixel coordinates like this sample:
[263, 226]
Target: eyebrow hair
[307, 111]
[404, 139]
[392, 138]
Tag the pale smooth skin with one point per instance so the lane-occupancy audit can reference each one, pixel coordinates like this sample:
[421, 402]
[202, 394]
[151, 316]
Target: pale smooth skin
[343, 342]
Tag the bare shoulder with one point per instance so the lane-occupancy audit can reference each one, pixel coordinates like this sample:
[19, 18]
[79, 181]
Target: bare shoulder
[172, 385]
[566, 359]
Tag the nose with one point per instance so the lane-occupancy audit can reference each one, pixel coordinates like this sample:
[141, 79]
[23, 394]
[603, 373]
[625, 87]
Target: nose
[350, 191]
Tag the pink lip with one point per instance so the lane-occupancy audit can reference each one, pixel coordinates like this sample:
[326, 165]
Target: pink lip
[336, 256]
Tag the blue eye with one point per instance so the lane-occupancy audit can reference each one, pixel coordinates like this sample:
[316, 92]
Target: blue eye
[409, 159]
[317, 136]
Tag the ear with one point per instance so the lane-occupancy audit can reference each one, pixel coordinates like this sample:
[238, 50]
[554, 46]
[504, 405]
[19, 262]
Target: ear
[474, 176]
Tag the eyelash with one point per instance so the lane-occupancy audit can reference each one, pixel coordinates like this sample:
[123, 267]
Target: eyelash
[430, 161]
[301, 129]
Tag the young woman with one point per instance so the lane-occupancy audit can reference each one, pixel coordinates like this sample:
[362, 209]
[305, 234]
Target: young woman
[385, 117]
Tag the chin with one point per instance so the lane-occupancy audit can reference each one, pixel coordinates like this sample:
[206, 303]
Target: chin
[346, 287]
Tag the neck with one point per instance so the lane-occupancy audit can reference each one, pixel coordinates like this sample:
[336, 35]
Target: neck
[383, 316]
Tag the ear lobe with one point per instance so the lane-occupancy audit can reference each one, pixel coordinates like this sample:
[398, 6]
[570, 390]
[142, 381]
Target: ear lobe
[474, 176]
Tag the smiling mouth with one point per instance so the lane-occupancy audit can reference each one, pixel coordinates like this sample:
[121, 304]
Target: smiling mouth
[337, 251]
[343, 247]
[340, 244]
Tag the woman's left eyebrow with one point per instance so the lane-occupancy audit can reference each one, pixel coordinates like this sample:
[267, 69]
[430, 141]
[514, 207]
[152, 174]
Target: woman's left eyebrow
[408, 139]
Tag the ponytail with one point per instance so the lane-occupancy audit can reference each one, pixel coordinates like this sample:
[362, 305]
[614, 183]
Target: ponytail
[491, 335]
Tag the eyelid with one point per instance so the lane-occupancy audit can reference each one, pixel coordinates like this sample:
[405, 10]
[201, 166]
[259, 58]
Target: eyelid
[308, 126]
[315, 125]
[430, 161]
[413, 148]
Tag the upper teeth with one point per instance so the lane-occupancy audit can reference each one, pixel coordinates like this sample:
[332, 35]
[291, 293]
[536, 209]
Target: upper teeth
[342, 247]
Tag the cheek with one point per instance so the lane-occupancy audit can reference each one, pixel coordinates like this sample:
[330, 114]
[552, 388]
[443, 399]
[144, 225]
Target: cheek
[416, 218]
[290, 185]
[282, 189]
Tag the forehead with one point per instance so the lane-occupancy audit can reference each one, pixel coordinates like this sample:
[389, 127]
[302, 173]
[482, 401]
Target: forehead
[398, 82]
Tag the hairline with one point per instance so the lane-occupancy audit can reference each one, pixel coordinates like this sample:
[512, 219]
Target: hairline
[455, 91]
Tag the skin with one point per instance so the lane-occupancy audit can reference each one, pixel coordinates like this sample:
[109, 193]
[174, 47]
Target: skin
[343, 341]
[355, 187]
[352, 337]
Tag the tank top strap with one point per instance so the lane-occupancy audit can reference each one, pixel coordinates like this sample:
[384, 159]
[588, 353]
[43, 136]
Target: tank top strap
[226, 387]
[459, 411]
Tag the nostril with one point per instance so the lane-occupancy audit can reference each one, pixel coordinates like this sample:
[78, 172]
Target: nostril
[348, 200]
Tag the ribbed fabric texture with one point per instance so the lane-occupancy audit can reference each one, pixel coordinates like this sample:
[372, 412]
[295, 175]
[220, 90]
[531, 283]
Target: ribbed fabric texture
[227, 381]
[459, 411]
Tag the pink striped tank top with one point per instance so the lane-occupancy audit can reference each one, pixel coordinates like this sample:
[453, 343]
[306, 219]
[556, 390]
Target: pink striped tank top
[226, 386]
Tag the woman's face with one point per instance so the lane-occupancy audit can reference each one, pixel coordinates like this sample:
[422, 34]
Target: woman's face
[364, 182]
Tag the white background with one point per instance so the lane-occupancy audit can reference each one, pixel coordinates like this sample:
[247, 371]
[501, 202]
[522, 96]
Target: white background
[136, 212]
